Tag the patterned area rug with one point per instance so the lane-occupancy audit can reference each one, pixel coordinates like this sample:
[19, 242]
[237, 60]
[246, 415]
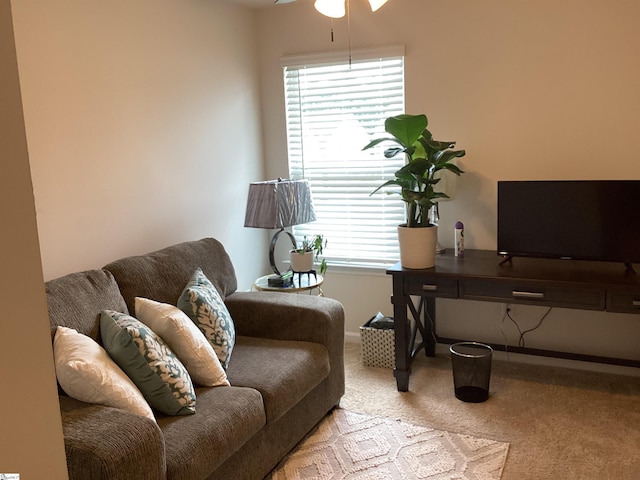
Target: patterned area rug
[353, 446]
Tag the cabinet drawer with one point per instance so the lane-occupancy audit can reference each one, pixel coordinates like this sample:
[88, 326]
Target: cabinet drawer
[533, 294]
[437, 287]
[623, 302]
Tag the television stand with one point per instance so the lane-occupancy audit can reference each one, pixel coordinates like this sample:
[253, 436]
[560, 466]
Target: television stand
[480, 275]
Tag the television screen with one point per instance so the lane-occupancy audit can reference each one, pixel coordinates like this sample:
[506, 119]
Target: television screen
[577, 219]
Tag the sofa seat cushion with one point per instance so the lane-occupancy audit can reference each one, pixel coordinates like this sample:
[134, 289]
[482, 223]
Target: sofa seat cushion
[226, 418]
[282, 371]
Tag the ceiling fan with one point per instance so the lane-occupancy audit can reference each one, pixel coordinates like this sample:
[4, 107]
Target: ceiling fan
[336, 8]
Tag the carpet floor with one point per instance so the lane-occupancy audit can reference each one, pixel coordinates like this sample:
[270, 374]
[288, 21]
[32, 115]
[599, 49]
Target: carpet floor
[560, 423]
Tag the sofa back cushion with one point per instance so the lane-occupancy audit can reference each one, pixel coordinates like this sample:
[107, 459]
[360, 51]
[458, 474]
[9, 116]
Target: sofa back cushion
[162, 275]
[76, 300]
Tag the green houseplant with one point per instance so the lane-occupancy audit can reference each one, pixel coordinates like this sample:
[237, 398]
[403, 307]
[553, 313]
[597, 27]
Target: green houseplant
[308, 251]
[417, 181]
[425, 157]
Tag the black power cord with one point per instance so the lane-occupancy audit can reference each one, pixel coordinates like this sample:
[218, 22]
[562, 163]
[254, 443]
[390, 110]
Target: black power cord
[521, 340]
[522, 334]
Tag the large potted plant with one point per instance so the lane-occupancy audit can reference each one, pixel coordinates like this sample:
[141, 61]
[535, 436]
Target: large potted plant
[417, 181]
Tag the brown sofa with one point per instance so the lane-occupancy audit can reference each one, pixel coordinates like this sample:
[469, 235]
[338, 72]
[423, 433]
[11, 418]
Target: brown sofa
[286, 372]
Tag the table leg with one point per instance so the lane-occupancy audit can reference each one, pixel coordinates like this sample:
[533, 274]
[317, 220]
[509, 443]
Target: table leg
[430, 326]
[402, 344]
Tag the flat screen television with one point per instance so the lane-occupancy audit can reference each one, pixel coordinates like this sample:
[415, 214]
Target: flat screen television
[572, 219]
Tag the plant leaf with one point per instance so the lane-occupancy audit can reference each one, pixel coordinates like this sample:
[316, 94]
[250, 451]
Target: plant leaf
[386, 184]
[448, 155]
[392, 152]
[453, 168]
[406, 128]
[377, 141]
[418, 166]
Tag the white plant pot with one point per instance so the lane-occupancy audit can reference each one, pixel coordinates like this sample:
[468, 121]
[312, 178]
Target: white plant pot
[301, 262]
[418, 246]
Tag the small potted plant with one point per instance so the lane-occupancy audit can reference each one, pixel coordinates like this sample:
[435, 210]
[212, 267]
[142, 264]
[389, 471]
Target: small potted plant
[417, 181]
[309, 251]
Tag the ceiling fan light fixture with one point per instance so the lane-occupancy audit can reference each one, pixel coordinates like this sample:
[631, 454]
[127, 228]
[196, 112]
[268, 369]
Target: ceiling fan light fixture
[334, 8]
[376, 4]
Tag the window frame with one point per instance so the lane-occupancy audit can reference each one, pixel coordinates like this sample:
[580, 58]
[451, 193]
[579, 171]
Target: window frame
[387, 238]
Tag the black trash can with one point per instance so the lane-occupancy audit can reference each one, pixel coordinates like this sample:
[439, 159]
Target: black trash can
[471, 362]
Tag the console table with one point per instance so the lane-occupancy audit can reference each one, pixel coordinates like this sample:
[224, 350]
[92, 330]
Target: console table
[480, 276]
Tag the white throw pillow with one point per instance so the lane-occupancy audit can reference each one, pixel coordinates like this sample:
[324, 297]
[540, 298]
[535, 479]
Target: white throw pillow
[87, 373]
[185, 339]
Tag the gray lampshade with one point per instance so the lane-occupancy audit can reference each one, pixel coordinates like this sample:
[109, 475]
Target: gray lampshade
[279, 203]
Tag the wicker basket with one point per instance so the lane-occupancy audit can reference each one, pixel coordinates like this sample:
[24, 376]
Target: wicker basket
[378, 346]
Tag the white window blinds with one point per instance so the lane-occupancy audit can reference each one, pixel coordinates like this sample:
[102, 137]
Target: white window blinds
[334, 108]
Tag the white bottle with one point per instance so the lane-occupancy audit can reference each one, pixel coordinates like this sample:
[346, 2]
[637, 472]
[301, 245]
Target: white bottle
[459, 239]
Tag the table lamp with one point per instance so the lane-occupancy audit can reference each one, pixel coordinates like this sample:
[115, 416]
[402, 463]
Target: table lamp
[277, 204]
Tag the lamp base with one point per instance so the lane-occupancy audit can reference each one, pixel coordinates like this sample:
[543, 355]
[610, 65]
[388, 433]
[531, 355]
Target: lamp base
[272, 248]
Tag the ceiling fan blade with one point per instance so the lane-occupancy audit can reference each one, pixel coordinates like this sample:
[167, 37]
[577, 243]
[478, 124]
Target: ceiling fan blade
[283, 1]
[376, 4]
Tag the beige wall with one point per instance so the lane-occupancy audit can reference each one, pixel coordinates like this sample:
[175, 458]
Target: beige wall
[143, 127]
[532, 90]
[30, 429]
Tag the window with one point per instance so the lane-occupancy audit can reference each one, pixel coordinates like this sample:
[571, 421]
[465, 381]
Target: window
[334, 108]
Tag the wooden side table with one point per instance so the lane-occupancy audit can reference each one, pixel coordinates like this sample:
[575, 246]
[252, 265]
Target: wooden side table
[303, 283]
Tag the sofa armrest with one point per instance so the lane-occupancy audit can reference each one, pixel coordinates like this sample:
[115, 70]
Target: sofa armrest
[108, 443]
[287, 316]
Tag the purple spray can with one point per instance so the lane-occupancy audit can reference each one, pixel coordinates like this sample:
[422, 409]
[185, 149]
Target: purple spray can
[459, 239]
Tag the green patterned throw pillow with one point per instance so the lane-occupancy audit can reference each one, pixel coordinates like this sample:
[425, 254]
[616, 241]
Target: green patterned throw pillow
[203, 304]
[149, 363]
